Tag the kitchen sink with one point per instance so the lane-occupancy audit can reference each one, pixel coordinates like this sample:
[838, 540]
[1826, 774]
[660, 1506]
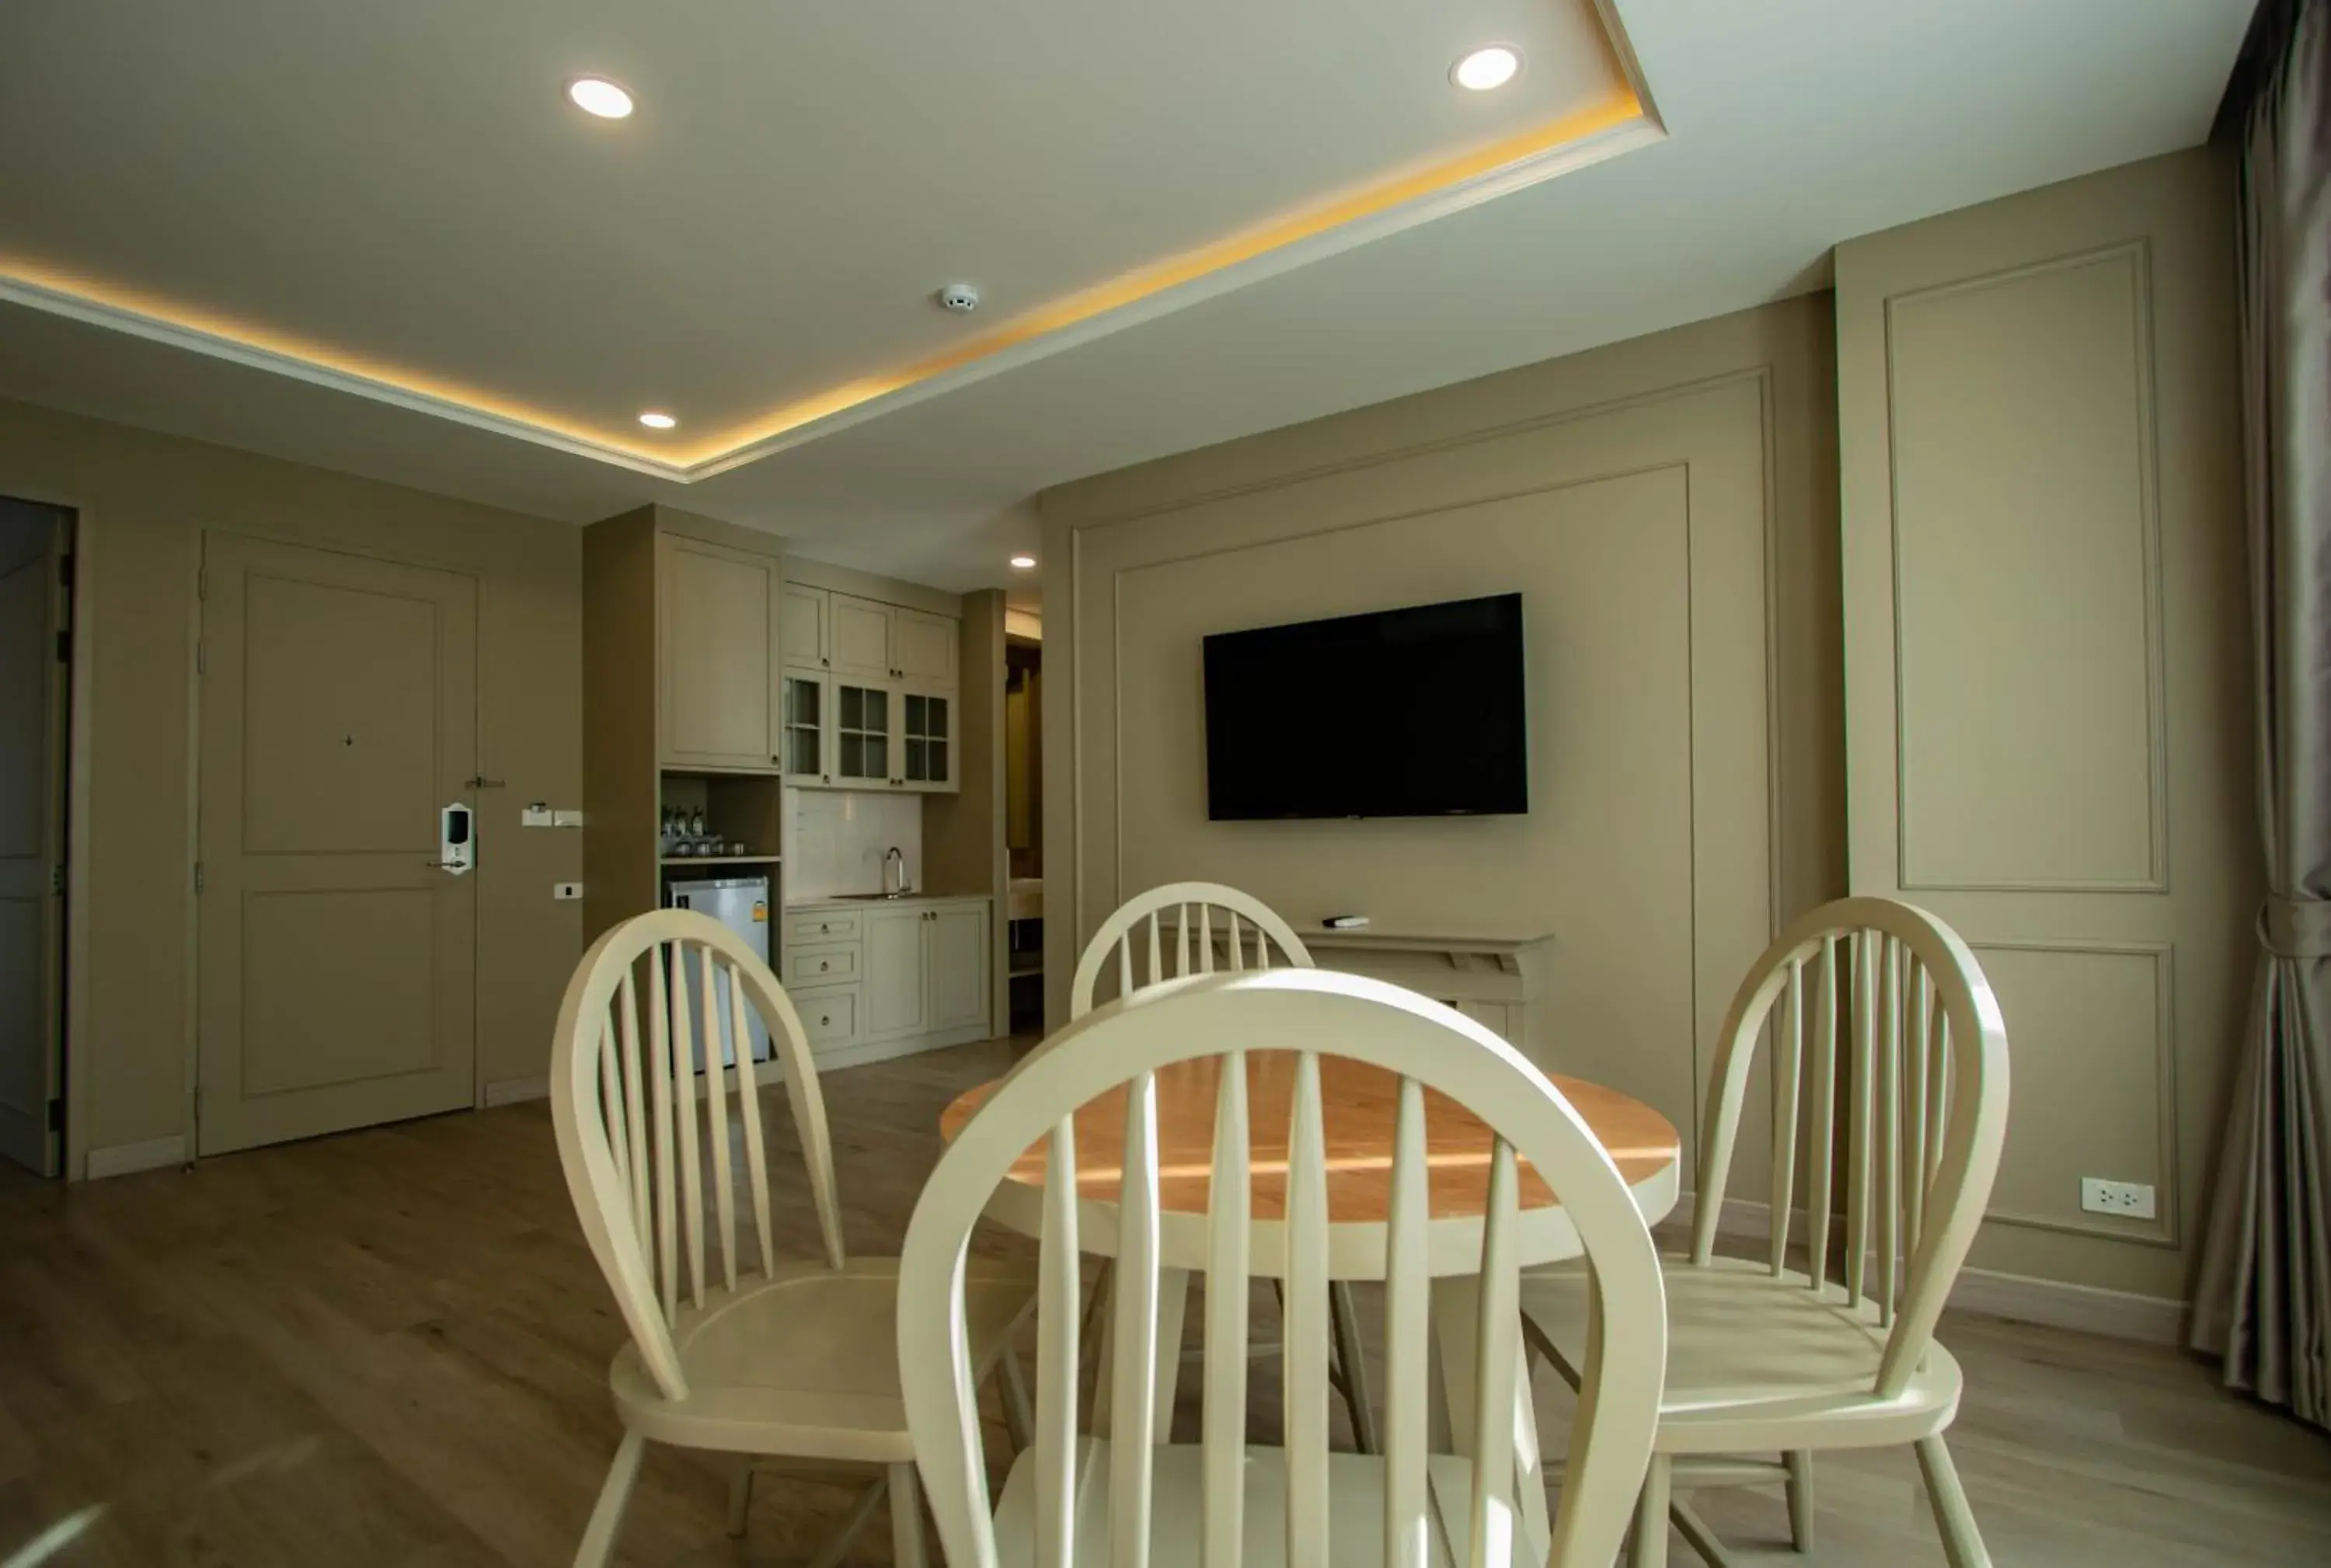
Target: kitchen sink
[873, 897]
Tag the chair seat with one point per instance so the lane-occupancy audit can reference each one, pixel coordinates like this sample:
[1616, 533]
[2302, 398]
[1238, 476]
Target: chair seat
[1177, 1513]
[1757, 1362]
[807, 1365]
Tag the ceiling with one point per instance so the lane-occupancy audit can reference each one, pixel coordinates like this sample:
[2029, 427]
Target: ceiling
[381, 241]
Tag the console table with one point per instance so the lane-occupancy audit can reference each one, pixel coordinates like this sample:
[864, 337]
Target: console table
[1491, 979]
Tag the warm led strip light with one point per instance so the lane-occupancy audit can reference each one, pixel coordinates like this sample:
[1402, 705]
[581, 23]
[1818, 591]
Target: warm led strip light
[1542, 152]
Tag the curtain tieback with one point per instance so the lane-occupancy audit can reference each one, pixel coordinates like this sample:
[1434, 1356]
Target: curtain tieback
[2296, 927]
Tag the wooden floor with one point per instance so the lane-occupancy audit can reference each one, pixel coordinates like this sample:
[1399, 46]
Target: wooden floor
[390, 1349]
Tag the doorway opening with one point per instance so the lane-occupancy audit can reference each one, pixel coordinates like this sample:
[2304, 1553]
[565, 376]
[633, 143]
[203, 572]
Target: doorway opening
[37, 577]
[1023, 824]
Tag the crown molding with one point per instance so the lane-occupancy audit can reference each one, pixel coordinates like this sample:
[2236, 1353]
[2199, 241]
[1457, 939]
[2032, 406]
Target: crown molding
[1219, 267]
[138, 323]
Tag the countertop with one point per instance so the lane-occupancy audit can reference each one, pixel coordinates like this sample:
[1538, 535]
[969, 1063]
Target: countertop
[863, 902]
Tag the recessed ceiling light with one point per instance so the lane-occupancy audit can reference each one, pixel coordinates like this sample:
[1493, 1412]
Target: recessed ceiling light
[598, 95]
[1024, 562]
[1491, 66]
[654, 421]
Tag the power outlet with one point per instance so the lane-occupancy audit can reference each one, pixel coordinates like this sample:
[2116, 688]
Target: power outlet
[565, 892]
[2129, 1200]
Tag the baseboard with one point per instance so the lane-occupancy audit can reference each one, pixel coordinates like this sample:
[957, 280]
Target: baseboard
[123, 1159]
[2053, 1303]
[511, 1091]
[2116, 1313]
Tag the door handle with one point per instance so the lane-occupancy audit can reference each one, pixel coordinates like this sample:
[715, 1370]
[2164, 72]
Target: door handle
[457, 848]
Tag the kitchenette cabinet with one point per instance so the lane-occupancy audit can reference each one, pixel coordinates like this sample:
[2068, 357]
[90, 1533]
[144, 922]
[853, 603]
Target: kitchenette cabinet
[883, 977]
[868, 696]
[717, 657]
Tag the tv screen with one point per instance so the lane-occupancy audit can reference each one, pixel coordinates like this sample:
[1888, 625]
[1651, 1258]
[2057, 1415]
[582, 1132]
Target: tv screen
[1403, 713]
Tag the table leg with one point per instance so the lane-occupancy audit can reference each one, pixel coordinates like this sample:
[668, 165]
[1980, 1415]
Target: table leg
[1173, 1305]
[1456, 1324]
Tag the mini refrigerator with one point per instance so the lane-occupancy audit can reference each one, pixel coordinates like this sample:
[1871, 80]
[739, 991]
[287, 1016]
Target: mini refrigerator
[741, 904]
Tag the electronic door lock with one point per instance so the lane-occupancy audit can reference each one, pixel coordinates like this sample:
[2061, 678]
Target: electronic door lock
[457, 845]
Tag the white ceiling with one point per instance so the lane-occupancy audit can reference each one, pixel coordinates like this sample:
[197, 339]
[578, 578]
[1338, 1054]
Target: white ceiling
[401, 187]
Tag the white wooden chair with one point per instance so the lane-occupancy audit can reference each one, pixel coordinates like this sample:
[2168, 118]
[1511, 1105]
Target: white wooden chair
[787, 1360]
[1222, 1502]
[1185, 944]
[1761, 1357]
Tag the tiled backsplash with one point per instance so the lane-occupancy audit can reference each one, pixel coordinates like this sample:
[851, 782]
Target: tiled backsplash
[835, 839]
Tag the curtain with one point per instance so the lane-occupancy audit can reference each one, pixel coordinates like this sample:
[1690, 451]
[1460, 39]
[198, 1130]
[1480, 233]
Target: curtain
[2263, 1295]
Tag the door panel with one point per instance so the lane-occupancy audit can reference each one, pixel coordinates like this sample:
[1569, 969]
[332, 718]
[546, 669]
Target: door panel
[923, 647]
[32, 541]
[862, 752]
[337, 963]
[718, 669]
[309, 785]
[955, 967]
[801, 626]
[927, 750]
[860, 635]
[304, 952]
[894, 973]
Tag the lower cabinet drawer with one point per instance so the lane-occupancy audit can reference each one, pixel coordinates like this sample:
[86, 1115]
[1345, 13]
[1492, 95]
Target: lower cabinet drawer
[821, 965]
[828, 1017]
[830, 925]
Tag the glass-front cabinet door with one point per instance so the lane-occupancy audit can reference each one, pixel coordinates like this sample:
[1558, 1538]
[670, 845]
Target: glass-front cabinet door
[862, 735]
[927, 740]
[802, 712]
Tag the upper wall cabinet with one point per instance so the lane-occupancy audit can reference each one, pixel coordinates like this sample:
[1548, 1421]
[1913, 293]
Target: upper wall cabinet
[861, 638]
[718, 657]
[805, 640]
[868, 693]
[923, 648]
[866, 641]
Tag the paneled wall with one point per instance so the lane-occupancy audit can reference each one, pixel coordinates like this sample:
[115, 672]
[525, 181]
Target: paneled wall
[1661, 508]
[145, 501]
[2046, 669]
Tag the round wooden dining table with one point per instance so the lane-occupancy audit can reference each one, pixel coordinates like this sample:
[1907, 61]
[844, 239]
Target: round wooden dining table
[1358, 1102]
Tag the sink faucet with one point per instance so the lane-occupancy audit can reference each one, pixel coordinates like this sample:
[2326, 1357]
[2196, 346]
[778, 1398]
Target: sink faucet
[894, 857]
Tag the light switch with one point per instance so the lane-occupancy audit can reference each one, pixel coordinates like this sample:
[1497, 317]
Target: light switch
[563, 818]
[535, 814]
[565, 892]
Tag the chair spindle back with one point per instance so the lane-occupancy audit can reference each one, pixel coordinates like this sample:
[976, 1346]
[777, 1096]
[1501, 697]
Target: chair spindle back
[648, 1000]
[1251, 1023]
[1882, 1005]
[1181, 929]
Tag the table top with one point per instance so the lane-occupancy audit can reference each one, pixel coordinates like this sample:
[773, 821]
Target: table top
[1358, 1102]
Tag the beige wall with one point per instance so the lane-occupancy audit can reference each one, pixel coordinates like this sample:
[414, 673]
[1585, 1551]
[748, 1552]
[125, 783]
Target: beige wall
[1666, 507]
[2048, 671]
[145, 501]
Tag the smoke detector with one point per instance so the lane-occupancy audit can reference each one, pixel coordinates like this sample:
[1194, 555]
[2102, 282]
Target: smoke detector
[960, 298]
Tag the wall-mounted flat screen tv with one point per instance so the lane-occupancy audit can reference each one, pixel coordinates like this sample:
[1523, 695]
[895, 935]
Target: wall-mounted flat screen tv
[1418, 712]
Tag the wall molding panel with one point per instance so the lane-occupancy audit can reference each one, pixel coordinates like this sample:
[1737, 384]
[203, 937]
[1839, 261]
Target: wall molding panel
[2047, 773]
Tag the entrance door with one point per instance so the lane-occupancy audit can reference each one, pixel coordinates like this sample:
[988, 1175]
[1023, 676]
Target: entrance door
[338, 960]
[33, 674]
